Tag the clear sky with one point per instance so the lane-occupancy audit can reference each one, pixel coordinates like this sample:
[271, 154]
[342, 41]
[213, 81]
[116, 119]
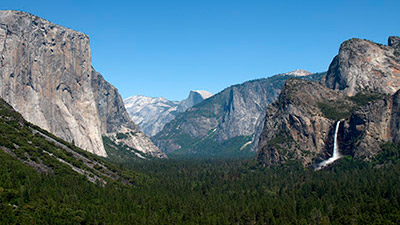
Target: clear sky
[167, 48]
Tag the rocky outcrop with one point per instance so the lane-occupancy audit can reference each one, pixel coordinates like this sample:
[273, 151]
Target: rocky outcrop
[115, 120]
[394, 42]
[300, 125]
[371, 126]
[151, 114]
[228, 118]
[194, 98]
[112, 113]
[361, 90]
[364, 65]
[302, 74]
[46, 75]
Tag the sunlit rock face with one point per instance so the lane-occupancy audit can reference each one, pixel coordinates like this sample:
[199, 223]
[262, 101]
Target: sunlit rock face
[364, 65]
[47, 76]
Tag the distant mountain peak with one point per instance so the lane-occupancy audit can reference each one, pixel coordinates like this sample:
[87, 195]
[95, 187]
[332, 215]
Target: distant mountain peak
[203, 93]
[195, 97]
[299, 73]
[151, 114]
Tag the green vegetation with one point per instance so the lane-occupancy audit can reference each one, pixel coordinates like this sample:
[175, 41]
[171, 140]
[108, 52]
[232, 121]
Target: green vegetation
[280, 138]
[48, 153]
[205, 192]
[187, 191]
[390, 154]
[339, 110]
[210, 148]
[335, 110]
[362, 98]
[122, 136]
[121, 154]
[282, 142]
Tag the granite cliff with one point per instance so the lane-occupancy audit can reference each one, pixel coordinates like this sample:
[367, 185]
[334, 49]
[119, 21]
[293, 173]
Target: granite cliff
[47, 76]
[360, 89]
[372, 126]
[300, 125]
[363, 65]
[194, 98]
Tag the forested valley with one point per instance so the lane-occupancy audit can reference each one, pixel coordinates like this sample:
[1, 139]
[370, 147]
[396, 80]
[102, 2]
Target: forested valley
[219, 191]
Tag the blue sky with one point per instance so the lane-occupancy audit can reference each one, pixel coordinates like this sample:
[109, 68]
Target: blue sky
[167, 48]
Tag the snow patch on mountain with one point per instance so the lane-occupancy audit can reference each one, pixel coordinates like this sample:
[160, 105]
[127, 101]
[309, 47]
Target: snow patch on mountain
[298, 73]
[152, 113]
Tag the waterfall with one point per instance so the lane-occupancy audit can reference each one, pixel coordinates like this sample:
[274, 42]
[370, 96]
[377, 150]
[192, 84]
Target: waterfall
[336, 154]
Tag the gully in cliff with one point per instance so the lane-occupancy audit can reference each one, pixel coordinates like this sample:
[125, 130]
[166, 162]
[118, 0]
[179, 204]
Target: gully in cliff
[336, 154]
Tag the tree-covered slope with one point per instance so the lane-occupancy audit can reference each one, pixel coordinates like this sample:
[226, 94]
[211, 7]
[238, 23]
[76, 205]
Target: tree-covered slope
[48, 154]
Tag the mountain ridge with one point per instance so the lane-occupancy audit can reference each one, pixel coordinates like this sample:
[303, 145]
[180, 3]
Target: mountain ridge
[228, 118]
[152, 113]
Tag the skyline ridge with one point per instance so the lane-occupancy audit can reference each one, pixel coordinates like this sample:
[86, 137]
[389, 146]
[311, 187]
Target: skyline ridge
[147, 47]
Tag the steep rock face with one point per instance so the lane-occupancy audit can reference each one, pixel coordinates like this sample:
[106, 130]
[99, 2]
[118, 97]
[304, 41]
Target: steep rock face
[364, 65]
[112, 113]
[194, 98]
[302, 74]
[151, 114]
[115, 120]
[299, 125]
[46, 75]
[371, 126]
[225, 119]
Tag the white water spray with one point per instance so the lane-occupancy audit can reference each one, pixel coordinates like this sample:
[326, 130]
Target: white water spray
[336, 154]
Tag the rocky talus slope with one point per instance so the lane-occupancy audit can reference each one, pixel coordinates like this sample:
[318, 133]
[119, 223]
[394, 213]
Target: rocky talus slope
[224, 123]
[360, 89]
[47, 76]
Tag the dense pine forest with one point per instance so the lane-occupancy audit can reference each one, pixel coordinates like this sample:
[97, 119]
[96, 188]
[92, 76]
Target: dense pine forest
[39, 184]
[183, 191]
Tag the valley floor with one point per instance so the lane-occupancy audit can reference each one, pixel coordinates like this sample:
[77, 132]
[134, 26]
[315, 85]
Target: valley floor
[183, 191]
